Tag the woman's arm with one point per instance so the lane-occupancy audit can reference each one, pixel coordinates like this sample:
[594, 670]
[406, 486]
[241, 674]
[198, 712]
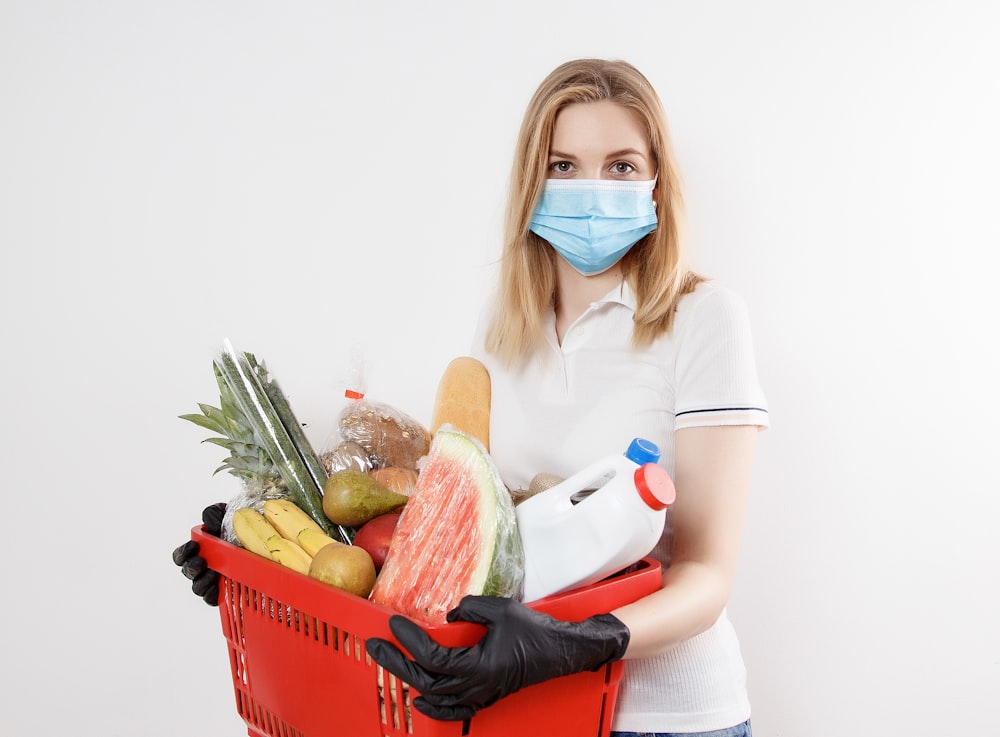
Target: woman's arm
[712, 474]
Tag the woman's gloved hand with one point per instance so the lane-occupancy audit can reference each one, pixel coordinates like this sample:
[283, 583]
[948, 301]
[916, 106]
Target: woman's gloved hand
[204, 581]
[521, 647]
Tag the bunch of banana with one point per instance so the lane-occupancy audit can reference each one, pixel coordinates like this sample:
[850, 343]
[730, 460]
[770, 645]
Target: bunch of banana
[286, 534]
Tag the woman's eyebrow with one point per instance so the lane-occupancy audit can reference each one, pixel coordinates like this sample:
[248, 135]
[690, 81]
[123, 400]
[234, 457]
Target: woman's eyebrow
[626, 152]
[612, 155]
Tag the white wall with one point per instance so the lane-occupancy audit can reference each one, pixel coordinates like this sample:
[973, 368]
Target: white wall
[304, 177]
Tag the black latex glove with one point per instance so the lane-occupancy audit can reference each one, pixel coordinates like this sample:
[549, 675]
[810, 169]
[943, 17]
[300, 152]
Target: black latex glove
[521, 647]
[204, 581]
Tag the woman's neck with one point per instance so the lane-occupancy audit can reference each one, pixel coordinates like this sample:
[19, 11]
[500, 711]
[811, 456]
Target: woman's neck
[575, 292]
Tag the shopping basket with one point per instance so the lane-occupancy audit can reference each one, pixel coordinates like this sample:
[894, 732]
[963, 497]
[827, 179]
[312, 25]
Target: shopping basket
[299, 666]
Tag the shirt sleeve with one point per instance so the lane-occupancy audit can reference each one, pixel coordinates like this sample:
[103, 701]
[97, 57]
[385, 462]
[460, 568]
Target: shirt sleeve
[716, 374]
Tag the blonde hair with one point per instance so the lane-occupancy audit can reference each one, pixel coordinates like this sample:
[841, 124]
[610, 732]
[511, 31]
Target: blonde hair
[654, 267]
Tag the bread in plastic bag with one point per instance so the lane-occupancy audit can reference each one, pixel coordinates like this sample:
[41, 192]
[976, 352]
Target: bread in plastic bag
[347, 454]
[391, 437]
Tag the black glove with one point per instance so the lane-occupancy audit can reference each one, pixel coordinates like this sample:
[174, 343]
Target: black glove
[521, 647]
[204, 581]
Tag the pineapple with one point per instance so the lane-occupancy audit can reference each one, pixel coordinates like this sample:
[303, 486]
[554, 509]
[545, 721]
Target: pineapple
[259, 478]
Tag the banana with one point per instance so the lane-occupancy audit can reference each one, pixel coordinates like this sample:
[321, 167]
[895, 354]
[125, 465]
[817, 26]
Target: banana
[253, 531]
[289, 519]
[311, 541]
[261, 537]
[294, 524]
[289, 554]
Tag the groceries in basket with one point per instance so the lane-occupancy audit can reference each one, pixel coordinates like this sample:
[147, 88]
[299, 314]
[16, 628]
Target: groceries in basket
[416, 520]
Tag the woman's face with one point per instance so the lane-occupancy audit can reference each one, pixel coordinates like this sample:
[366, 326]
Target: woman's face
[599, 140]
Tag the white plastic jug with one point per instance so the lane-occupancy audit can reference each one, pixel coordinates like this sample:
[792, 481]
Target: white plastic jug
[598, 521]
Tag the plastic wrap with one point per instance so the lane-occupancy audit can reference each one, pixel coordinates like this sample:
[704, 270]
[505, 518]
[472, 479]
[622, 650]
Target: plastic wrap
[277, 431]
[400, 480]
[391, 437]
[253, 493]
[347, 454]
[457, 534]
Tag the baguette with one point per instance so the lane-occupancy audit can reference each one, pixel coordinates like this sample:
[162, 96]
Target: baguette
[463, 399]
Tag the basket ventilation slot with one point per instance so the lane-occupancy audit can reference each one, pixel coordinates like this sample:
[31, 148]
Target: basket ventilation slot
[396, 710]
[262, 720]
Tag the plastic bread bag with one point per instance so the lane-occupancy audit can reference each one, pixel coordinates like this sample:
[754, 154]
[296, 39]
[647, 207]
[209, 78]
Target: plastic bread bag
[390, 436]
[457, 534]
[346, 454]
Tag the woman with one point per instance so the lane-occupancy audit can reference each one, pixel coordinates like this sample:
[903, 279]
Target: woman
[600, 334]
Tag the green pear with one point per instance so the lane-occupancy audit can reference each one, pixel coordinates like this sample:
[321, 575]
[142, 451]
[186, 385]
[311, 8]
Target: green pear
[352, 497]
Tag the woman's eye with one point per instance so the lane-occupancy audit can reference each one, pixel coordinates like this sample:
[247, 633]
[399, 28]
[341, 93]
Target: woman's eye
[622, 167]
[561, 167]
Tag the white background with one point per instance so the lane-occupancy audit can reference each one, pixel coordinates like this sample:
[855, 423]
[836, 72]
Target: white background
[308, 177]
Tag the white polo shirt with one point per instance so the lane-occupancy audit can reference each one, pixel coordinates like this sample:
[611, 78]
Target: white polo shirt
[587, 399]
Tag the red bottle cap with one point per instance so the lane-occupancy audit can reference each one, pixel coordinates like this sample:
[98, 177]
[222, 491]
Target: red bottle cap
[655, 486]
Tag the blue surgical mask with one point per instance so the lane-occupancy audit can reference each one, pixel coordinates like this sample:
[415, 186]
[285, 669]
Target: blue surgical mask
[592, 223]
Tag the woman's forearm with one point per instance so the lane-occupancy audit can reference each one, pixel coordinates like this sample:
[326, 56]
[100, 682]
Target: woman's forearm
[692, 599]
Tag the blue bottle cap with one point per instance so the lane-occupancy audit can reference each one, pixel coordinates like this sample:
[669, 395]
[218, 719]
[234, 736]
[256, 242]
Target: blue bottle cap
[641, 451]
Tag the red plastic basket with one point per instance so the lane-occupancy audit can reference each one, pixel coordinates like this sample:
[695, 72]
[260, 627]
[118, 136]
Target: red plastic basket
[299, 666]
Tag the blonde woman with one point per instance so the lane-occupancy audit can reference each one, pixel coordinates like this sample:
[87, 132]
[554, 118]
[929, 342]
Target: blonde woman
[600, 333]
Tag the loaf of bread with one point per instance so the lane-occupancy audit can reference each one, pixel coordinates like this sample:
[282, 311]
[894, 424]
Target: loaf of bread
[390, 436]
[463, 399]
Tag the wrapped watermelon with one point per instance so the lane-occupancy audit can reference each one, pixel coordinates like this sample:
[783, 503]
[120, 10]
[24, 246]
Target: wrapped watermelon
[457, 534]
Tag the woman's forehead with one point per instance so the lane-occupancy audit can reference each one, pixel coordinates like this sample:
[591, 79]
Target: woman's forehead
[602, 125]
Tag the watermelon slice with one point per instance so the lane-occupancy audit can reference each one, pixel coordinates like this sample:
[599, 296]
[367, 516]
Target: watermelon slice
[457, 535]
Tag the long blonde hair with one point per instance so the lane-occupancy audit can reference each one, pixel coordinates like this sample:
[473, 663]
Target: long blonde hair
[654, 267]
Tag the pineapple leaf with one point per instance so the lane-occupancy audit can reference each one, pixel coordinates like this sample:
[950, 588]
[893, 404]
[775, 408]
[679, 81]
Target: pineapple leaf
[206, 422]
[228, 402]
[242, 449]
[221, 442]
[213, 413]
[234, 432]
[233, 471]
[241, 434]
[235, 421]
[240, 464]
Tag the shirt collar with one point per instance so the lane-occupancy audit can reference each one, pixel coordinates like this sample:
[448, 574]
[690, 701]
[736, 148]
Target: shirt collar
[621, 294]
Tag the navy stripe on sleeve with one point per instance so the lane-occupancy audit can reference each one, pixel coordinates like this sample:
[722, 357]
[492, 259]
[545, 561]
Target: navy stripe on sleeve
[722, 409]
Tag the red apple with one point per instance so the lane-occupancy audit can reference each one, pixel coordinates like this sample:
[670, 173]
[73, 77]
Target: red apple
[375, 535]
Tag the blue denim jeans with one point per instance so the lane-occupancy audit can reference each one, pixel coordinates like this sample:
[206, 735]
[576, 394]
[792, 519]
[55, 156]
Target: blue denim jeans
[740, 730]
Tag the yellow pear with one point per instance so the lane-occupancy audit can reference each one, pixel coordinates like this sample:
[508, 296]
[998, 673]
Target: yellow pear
[347, 567]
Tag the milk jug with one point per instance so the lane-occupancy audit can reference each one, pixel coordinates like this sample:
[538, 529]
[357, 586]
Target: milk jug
[598, 521]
